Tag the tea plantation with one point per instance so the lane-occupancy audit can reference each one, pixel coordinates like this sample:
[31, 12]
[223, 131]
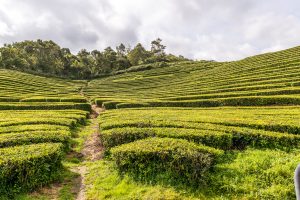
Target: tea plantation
[189, 130]
[37, 116]
[229, 130]
[268, 79]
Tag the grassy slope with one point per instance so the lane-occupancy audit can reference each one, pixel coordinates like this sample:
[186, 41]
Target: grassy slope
[268, 75]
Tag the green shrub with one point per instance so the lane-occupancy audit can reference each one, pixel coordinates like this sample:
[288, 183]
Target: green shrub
[266, 139]
[117, 136]
[45, 106]
[178, 159]
[13, 139]
[23, 168]
[132, 105]
[9, 99]
[110, 104]
[54, 99]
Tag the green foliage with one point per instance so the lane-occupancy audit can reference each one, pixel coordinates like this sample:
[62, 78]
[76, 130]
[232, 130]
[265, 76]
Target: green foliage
[104, 182]
[26, 167]
[13, 139]
[45, 106]
[177, 159]
[32, 144]
[262, 80]
[226, 128]
[110, 104]
[256, 174]
[48, 58]
[117, 136]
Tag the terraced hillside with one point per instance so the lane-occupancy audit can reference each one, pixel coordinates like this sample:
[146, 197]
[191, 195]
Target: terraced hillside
[190, 130]
[32, 145]
[37, 116]
[21, 91]
[246, 147]
[268, 79]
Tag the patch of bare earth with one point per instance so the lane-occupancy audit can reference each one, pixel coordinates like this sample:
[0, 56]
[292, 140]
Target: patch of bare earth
[50, 191]
[92, 151]
[79, 185]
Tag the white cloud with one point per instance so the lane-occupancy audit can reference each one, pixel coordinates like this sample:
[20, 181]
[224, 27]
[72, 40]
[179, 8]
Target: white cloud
[199, 29]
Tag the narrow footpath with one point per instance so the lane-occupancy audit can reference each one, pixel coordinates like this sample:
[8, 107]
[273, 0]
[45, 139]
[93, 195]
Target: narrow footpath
[91, 152]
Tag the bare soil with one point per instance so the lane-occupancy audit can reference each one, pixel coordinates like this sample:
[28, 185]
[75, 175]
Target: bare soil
[92, 151]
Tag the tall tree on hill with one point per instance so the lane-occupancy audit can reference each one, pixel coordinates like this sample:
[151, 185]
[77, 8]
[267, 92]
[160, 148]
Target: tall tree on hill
[157, 48]
[137, 55]
[157, 52]
[109, 60]
[121, 50]
[122, 59]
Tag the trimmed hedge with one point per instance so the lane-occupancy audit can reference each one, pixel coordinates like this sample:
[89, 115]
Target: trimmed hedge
[31, 128]
[45, 106]
[132, 105]
[117, 136]
[264, 139]
[59, 121]
[13, 139]
[53, 99]
[235, 101]
[9, 99]
[178, 159]
[23, 168]
[110, 104]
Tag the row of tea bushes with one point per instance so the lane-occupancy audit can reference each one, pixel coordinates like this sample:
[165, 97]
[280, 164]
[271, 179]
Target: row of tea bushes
[32, 146]
[177, 159]
[255, 81]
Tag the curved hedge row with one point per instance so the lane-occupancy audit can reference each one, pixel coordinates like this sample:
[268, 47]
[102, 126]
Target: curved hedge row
[32, 144]
[255, 81]
[14, 139]
[224, 128]
[118, 136]
[175, 158]
[26, 167]
[45, 106]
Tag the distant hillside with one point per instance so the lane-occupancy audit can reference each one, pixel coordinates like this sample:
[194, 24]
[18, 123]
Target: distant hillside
[267, 79]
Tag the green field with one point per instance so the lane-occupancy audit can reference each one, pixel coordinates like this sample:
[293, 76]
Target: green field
[268, 79]
[189, 130]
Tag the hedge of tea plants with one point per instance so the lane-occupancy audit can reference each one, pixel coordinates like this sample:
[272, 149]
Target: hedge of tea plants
[37, 119]
[263, 80]
[147, 142]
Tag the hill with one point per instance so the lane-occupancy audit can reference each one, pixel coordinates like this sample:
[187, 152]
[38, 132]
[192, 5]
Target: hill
[185, 130]
[268, 79]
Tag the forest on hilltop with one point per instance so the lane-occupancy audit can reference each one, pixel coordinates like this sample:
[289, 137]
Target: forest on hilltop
[48, 58]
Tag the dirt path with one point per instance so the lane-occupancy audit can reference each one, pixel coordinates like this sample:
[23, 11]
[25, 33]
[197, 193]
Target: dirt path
[92, 151]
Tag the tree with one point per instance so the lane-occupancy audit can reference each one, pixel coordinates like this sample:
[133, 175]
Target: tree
[157, 48]
[137, 55]
[48, 58]
[121, 50]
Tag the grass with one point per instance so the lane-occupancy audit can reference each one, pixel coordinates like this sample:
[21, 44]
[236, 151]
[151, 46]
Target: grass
[104, 182]
[64, 189]
[252, 174]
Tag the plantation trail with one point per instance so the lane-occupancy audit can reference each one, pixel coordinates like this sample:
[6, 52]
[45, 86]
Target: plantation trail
[92, 151]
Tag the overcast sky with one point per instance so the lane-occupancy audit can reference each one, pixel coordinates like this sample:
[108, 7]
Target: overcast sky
[197, 29]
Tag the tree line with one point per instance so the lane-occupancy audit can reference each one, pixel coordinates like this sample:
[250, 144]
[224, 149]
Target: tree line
[48, 58]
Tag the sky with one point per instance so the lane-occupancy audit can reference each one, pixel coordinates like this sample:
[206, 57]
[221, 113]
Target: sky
[220, 30]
